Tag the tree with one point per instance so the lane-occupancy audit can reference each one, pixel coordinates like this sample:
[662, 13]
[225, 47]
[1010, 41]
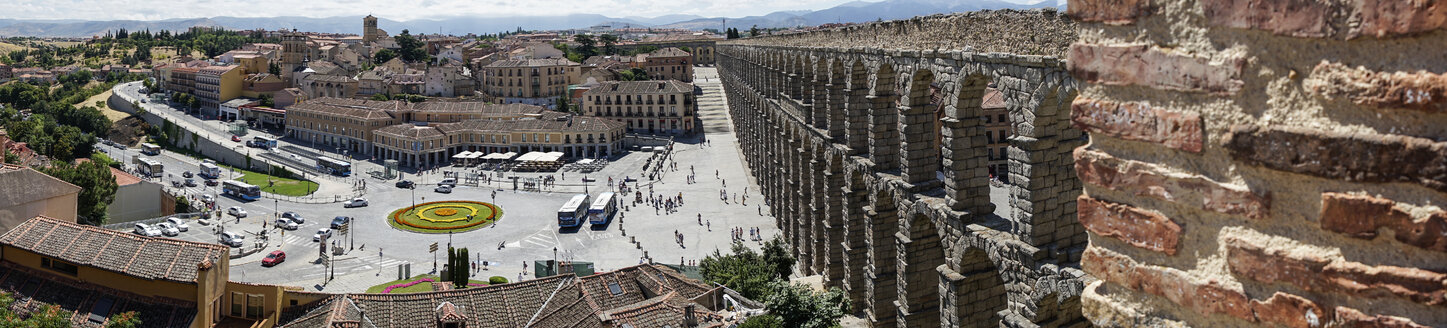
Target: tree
[267, 100]
[586, 45]
[10, 158]
[562, 104]
[799, 306]
[412, 48]
[183, 205]
[128, 319]
[776, 254]
[98, 187]
[609, 41]
[754, 31]
[762, 321]
[274, 69]
[744, 270]
[47, 316]
[382, 56]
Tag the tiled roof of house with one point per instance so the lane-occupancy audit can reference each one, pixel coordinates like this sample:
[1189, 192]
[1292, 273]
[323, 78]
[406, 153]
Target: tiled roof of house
[355, 108]
[123, 178]
[33, 288]
[558, 301]
[547, 122]
[148, 258]
[640, 87]
[477, 107]
[669, 52]
[994, 99]
[532, 62]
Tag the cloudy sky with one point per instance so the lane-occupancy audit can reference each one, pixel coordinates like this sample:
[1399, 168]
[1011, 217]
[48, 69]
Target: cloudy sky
[392, 9]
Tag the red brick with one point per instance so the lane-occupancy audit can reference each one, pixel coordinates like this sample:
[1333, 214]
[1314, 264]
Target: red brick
[1360, 217]
[1138, 121]
[1177, 286]
[1145, 179]
[1290, 311]
[1349, 157]
[1383, 18]
[1129, 224]
[1351, 318]
[1144, 65]
[1383, 90]
[1113, 12]
[1302, 18]
[1315, 273]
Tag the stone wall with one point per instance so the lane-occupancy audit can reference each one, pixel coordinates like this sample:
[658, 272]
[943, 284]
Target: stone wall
[842, 142]
[205, 144]
[1260, 163]
[1041, 32]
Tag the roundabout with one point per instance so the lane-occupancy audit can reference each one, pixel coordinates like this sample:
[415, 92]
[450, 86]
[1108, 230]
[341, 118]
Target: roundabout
[445, 216]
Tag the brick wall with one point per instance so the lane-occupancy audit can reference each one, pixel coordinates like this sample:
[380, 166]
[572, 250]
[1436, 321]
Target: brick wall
[1260, 163]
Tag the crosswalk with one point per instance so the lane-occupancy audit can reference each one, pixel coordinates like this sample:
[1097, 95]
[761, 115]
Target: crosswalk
[546, 238]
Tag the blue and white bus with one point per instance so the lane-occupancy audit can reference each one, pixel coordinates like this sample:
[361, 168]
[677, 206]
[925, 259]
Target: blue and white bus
[263, 142]
[603, 209]
[333, 166]
[240, 190]
[209, 170]
[571, 214]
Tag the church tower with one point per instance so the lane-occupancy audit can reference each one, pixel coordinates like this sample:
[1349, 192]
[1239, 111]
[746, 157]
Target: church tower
[293, 51]
[369, 29]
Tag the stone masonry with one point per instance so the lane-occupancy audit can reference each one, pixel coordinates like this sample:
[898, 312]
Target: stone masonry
[1258, 163]
[840, 129]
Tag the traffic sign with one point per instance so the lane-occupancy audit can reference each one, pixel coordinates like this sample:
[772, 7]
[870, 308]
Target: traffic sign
[433, 248]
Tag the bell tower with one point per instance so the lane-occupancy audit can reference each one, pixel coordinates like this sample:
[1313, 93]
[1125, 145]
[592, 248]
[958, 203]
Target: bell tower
[293, 50]
[369, 29]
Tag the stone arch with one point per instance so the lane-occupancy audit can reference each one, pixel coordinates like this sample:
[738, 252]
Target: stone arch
[919, 129]
[883, 120]
[857, 108]
[880, 268]
[834, 104]
[920, 254]
[972, 291]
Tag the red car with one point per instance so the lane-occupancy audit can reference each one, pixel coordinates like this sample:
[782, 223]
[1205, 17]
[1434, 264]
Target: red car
[274, 258]
[236, 138]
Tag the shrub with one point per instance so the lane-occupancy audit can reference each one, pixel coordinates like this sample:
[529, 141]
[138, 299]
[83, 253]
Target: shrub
[494, 280]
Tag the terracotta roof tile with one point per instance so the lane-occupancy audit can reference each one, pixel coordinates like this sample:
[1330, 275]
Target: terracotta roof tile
[117, 251]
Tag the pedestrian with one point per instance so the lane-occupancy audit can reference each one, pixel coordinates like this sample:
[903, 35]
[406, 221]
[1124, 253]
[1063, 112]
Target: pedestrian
[379, 252]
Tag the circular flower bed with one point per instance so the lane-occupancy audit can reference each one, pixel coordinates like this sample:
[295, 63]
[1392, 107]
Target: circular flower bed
[445, 216]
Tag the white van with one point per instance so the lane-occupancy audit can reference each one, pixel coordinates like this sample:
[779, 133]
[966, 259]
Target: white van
[232, 239]
[450, 182]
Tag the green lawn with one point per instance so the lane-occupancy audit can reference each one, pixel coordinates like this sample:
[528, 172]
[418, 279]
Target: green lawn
[282, 186]
[418, 288]
[441, 223]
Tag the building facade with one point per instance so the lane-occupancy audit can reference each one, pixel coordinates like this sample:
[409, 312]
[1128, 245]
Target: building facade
[645, 106]
[217, 84]
[42, 195]
[997, 132]
[429, 133]
[530, 81]
[668, 64]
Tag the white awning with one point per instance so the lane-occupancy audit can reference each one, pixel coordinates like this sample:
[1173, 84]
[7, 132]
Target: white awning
[475, 155]
[462, 155]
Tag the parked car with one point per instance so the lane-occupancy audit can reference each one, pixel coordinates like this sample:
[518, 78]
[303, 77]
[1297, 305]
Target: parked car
[179, 224]
[320, 233]
[236, 211]
[207, 198]
[273, 258]
[236, 138]
[190, 182]
[450, 182]
[443, 189]
[212, 182]
[294, 216]
[232, 239]
[337, 222]
[355, 202]
[146, 230]
[168, 229]
[286, 223]
[186, 174]
[407, 184]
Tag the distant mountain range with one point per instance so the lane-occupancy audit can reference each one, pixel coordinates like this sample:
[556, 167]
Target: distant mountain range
[852, 12]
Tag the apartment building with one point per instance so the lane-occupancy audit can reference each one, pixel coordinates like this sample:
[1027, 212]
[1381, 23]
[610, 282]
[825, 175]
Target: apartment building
[530, 81]
[645, 106]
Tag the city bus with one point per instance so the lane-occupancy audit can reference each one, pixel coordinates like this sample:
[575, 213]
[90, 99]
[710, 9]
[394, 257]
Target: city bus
[603, 209]
[147, 167]
[240, 190]
[263, 142]
[569, 214]
[209, 170]
[150, 149]
[332, 166]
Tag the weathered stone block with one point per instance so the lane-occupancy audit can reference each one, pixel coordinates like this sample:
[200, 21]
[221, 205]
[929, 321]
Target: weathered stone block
[1316, 273]
[1386, 90]
[1113, 12]
[1205, 297]
[1350, 157]
[1148, 66]
[1290, 311]
[1145, 179]
[1138, 121]
[1360, 217]
[1351, 318]
[1132, 225]
[1301, 18]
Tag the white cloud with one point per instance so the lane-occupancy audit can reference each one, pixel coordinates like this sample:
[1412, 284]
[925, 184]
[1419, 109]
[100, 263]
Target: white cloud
[391, 9]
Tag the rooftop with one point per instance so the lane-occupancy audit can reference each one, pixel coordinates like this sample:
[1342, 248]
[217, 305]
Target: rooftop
[117, 251]
[669, 52]
[640, 87]
[532, 62]
[38, 186]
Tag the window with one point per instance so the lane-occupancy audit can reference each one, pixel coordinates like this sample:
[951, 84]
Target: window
[59, 266]
[614, 289]
[1002, 118]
